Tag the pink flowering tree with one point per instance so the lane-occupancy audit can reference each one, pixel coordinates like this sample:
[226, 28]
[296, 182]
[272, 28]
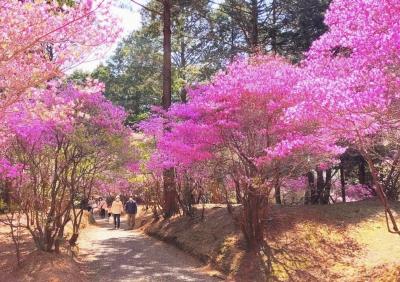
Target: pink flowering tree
[190, 172]
[118, 181]
[41, 40]
[352, 82]
[354, 192]
[60, 141]
[243, 122]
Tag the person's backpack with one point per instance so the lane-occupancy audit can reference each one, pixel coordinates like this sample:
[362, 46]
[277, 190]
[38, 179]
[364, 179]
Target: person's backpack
[131, 207]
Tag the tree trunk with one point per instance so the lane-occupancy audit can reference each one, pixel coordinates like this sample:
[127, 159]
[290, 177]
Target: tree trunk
[273, 33]
[232, 44]
[343, 183]
[183, 61]
[183, 69]
[170, 197]
[361, 173]
[391, 180]
[58, 241]
[390, 218]
[320, 187]
[167, 68]
[228, 202]
[310, 193]
[5, 193]
[238, 191]
[254, 27]
[74, 238]
[252, 225]
[15, 232]
[170, 194]
[48, 241]
[327, 187]
[49, 232]
[278, 199]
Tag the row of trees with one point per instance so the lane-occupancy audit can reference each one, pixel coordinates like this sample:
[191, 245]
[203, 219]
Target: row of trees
[199, 38]
[265, 123]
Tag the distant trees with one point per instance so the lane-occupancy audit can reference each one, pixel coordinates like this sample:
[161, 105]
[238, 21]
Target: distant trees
[285, 27]
[133, 75]
[205, 37]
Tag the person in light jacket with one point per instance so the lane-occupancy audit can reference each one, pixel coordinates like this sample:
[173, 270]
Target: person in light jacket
[116, 209]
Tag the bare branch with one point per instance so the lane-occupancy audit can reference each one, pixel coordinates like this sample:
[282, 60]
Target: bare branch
[146, 8]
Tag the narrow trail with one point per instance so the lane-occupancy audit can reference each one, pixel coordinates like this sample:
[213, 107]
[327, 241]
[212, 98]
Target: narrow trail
[129, 255]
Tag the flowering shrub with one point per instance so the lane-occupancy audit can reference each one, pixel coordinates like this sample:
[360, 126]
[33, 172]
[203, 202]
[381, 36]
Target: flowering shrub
[8, 170]
[41, 40]
[267, 122]
[358, 192]
[244, 126]
[54, 139]
[62, 140]
[352, 80]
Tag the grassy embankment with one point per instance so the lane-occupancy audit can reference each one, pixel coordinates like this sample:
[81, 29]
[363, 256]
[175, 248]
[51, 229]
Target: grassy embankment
[341, 242]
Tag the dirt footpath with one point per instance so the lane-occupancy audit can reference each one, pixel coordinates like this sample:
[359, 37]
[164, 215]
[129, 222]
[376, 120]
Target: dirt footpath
[127, 255]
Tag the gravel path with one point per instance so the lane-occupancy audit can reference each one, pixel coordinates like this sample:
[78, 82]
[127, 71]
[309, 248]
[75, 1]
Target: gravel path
[127, 255]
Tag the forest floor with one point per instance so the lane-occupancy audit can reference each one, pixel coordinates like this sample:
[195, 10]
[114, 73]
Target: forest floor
[341, 242]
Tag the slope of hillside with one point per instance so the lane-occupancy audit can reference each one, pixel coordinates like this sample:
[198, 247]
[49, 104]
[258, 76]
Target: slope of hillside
[37, 265]
[341, 242]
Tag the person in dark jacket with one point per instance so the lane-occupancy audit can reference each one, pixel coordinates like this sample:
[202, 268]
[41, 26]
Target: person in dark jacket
[103, 207]
[131, 211]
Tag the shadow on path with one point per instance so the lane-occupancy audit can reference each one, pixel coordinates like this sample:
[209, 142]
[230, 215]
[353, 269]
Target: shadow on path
[128, 255]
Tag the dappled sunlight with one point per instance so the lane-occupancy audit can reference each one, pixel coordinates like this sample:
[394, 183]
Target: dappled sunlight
[128, 255]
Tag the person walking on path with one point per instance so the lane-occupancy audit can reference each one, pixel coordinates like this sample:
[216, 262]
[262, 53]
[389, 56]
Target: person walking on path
[131, 210]
[103, 207]
[116, 209]
[109, 201]
[91, 205]
[109, 212]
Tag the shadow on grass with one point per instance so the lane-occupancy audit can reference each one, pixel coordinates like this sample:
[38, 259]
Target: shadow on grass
[305, 243]
[308, 256]
[337, 215]
[206, 238]
[8, 258]
[311, 243]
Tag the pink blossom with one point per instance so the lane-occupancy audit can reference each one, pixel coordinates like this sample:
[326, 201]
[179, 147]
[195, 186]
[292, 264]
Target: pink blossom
[39, 42]
[247, 114]
[8, 170]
